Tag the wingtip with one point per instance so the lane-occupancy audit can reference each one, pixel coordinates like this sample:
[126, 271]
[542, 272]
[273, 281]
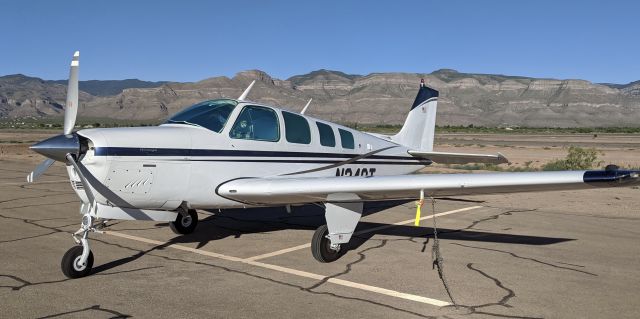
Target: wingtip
[502, 158]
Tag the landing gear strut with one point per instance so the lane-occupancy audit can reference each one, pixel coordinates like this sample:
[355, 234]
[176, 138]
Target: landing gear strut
[342, 218]
[78, 261]
[321, 247]
[185, 222]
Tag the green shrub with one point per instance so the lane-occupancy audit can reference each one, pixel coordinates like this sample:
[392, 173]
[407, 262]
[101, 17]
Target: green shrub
[578, 158]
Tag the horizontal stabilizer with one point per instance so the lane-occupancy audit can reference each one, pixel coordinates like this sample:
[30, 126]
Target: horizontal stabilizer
[460, 158]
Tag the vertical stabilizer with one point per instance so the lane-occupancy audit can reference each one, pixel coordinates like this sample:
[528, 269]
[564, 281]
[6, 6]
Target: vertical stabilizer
[417, 133]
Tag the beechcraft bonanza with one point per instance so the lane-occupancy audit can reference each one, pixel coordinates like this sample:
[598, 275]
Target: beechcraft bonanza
[228, 153]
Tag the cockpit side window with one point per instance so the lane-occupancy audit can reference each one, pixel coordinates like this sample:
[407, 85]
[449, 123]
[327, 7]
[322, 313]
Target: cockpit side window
[256, 123]
[327, 138]
[212, 115]
[296, 128]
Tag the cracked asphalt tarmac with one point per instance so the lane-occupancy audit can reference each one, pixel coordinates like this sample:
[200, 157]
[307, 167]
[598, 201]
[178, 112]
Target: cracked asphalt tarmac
[542, 255]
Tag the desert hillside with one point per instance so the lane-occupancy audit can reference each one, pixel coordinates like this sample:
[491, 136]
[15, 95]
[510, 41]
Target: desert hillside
[377, 98]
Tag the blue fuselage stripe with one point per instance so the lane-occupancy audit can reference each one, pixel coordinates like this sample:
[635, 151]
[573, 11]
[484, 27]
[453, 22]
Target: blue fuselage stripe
[133, 151]
[301, 161]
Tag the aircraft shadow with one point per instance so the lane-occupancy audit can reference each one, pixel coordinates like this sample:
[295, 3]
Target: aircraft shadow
[238, 222]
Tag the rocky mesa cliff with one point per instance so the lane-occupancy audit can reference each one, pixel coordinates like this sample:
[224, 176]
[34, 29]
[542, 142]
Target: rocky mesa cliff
[377, 98]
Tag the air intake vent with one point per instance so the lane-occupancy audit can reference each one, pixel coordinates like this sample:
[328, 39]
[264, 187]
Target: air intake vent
[77, 185]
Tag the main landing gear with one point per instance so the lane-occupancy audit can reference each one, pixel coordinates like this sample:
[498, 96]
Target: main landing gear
[185, 222]
[321, 247]
[342, 218]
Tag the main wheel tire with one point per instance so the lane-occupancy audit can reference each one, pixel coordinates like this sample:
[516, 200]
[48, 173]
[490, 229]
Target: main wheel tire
[321, 246]
[185, 224]
[70, 263]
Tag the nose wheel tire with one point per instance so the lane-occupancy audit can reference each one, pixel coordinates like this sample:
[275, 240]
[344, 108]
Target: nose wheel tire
[321, 247]
[71, 263]
[185, 224]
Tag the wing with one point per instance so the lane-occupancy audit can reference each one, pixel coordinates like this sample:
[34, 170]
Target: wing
[460, 158]
[281, 191]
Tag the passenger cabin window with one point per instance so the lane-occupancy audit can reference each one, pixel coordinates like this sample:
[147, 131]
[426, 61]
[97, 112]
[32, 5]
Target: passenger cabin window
[212, 115]
[346, 138]
[296, 128]
[327, 138]
[256, 123]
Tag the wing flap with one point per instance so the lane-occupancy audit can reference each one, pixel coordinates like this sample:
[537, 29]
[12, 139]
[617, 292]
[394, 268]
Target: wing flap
[279, 191]
[460, 158]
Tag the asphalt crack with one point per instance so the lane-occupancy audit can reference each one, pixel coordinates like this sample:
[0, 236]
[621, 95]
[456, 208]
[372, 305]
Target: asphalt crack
[32, 197]
[33, 222]
[43, 204]
[529, 259]
[23, 283]
[349, 266]
[140, 253]
[503, 302]
[97, 308]
[495, 217]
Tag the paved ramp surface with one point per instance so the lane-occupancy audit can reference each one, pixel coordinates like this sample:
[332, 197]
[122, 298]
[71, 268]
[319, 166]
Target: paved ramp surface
[549, 255]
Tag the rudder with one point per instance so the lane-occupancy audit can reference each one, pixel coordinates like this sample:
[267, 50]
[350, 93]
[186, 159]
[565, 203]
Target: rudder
[418, 130]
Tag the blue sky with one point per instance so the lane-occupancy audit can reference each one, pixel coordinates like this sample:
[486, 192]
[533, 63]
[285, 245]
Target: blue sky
[192, 40]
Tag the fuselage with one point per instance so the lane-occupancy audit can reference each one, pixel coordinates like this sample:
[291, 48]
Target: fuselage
[162, 167]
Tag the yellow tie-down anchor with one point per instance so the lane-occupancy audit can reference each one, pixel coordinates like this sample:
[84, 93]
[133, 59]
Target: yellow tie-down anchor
[419, 204]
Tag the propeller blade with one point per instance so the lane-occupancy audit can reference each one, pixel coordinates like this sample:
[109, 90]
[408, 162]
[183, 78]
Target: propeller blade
[71, 108]
[39, 170]
[87, 186]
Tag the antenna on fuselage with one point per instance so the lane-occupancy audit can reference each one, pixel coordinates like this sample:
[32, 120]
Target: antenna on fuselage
[246, 91]
[306, 106]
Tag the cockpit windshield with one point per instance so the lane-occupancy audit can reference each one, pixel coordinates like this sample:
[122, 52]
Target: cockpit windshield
[212, 115]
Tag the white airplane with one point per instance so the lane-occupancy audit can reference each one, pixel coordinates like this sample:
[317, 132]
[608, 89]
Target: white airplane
[229, 153]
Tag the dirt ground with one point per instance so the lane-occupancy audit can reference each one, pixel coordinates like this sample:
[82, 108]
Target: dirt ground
[619, 149]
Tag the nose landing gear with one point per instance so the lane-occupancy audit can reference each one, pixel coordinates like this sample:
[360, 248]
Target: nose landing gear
[78, 261]
[72, 265]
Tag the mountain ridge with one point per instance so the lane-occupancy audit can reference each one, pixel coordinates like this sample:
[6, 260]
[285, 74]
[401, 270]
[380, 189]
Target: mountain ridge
[375, 98]
[111, 87]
